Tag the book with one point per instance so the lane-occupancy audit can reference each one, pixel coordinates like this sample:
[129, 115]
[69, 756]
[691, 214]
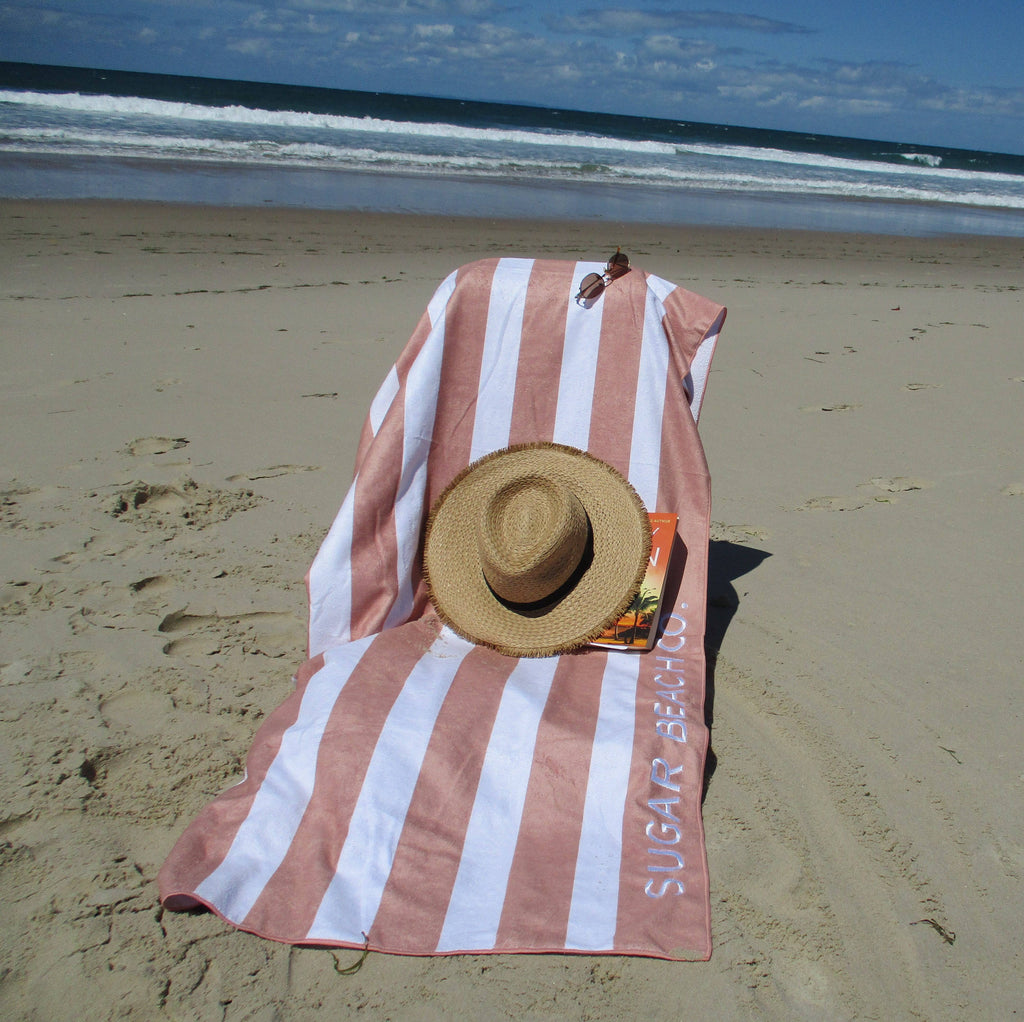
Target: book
[637, 628]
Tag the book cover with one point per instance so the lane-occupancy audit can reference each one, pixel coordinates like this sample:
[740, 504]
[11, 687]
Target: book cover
[638, 626]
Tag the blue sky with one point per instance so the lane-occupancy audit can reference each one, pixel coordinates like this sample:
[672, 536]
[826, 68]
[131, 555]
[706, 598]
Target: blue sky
[945, 72]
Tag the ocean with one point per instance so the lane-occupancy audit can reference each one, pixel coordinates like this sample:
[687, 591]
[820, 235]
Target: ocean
[89, 133]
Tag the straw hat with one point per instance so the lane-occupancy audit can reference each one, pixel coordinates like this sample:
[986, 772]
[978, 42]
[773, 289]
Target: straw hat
[533, 549]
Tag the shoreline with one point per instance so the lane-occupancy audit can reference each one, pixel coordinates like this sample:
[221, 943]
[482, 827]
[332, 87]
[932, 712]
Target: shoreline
[216, 184]
[183, 391]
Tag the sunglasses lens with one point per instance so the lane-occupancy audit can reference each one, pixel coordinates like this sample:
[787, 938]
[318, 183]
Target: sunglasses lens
[591, 286]
[618, 265]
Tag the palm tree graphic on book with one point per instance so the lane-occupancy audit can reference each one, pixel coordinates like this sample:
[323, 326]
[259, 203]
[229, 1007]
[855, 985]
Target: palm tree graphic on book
[637, 628]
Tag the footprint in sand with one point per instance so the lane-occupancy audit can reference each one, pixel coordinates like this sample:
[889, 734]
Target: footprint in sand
[829, 408]
[888, 485]
[263, 633]
[150, 584]
[140, 712]
[150, 594]
[149, 445]
[1013, 490]
[899, 484]
[156, 505]
[273, 472]
[737, 533]
[832, 504]
[10, 508]
[152, 498]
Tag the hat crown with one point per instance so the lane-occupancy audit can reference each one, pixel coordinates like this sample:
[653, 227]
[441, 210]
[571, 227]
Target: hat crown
[532, 538]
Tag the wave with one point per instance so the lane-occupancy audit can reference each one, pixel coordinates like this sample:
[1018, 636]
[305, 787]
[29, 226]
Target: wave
[255, 117]
[927, 159]
[135, 106]
[924, 166]
[694, 175]
[73, 124]
[141, 109]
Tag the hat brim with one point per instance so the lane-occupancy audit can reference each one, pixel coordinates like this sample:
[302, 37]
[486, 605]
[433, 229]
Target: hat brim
[621, 540]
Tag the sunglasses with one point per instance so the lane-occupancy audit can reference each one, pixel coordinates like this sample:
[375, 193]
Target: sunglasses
[594, 283]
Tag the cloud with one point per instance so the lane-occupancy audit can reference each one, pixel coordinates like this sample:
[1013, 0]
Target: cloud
[619, 22]
[260, 21]
[250, 47]
[683, 51]
[16, 19]
[904, 86]
[667, 72]
[374, 9]
[434, 31]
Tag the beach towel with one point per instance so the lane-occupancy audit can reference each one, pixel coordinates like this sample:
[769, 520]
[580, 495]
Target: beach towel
[418, 794]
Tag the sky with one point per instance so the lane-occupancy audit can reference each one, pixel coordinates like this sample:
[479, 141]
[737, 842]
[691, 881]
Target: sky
[944, 72]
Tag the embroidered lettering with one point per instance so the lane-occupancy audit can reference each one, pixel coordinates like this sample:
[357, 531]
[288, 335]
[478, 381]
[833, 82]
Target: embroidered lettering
[669, 663]
[674, 694]
[661, 807]
[666, 885]
[662, 774]
[665, 828]
[669, 712]
[674, 729]
[675, 856]
[676, 624]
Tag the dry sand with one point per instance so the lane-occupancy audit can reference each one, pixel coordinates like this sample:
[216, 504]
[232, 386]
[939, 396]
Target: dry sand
[182, 391]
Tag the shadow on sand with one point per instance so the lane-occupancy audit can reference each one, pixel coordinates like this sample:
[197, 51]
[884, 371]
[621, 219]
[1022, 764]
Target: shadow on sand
[726, 563]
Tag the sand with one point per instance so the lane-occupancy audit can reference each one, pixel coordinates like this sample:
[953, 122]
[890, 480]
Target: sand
[182, 392]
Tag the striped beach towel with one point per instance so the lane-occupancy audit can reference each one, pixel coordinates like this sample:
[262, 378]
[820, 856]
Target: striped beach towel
[421, 795]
